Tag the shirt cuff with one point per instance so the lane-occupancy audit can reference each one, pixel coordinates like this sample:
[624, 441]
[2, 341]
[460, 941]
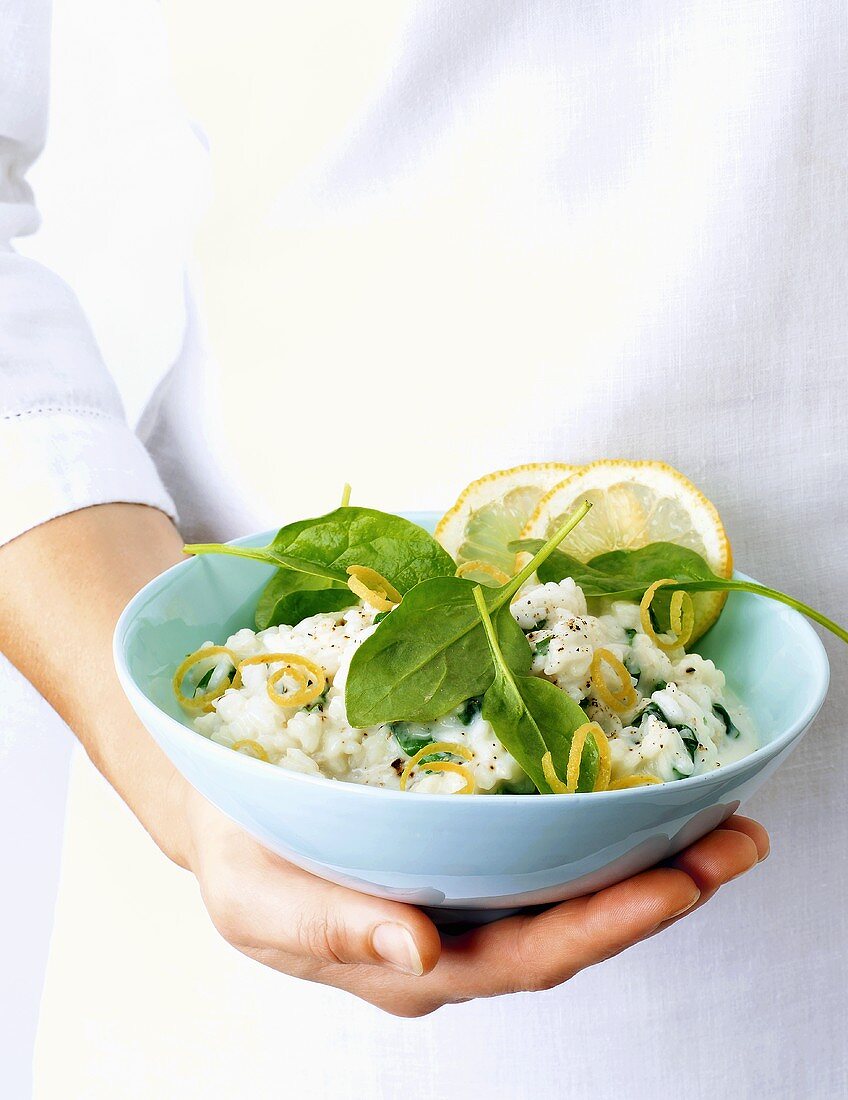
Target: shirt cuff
[54, 461]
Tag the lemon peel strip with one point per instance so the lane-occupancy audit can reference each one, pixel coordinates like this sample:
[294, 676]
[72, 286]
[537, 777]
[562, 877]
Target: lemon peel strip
[372, 587]
[431, 750]
[255, 749]
[310, 677]
[315, 671]
[305, 693]
[633, 781]
[553, 780]
[575, 755]
[681, 617]
[201, 702]
[456, 769]
[605, 762]
[623, 699]
[477, 566]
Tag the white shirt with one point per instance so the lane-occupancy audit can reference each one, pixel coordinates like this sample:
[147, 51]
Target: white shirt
[541, 230]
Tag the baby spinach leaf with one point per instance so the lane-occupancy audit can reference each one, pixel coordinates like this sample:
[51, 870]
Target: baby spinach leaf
[627, 574]
[203, 682]
[398, 549]
[532, 716]
[689, 739]
[290, 596]
[623, 573]
[430, 654]
[687, 734]
[731, 729]
[411, 737]
[319, 703]
[470, 709]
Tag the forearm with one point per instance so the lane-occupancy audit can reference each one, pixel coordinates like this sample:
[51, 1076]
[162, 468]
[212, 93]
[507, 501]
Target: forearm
[62, 587]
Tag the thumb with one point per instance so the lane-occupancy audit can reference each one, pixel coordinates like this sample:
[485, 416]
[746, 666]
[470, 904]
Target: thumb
[343, 926]
[278, 909]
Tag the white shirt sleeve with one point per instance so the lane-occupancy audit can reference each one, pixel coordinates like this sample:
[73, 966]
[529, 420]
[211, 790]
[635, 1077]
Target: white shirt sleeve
[64, 440]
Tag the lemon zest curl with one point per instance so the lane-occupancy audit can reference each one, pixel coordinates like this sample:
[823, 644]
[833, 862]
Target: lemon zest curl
[633, 781]
[248, 747]
[681, 617]
[372, 587]
[311, 678]
[201, 703]
[621, 700]
[432, 749]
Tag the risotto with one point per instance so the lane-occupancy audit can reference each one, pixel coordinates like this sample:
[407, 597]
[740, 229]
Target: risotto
[680, 720]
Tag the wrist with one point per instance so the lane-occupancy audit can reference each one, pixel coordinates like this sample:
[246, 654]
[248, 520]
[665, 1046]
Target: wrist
[69, 580]
[170, 823]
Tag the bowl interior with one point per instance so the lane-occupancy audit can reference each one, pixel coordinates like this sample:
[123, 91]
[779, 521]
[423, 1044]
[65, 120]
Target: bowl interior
[774, 661]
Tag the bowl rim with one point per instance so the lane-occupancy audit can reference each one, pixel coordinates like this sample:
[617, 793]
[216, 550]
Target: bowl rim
[190, 737]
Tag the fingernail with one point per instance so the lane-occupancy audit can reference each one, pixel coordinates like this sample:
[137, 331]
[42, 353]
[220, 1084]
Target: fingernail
[750, 867]
[396, 946]
[687, 906]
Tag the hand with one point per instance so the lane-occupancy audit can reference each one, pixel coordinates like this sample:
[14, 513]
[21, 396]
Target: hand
[392, 955]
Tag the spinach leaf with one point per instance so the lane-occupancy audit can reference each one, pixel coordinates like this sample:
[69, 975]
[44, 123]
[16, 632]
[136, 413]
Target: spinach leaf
[687, 734]
[411, 737]
[541, 648]
[731, 729]
[203, 682]
[398, 549]
[290, 596]
[319, 703]
[627, 574]
[689, 739]
[532, 717]
[430, 654]
[471, 708]
[623, 573]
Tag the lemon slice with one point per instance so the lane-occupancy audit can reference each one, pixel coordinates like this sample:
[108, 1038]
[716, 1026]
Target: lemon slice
[491, 512]
[636, 503]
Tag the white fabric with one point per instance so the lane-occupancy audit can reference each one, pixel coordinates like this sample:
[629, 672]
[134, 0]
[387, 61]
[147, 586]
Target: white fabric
[63, 441]
[552, 230]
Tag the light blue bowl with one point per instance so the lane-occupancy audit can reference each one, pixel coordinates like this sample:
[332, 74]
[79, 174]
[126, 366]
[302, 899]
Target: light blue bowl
[478, 854]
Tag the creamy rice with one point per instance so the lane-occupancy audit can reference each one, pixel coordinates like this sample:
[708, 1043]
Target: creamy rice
[684, 723]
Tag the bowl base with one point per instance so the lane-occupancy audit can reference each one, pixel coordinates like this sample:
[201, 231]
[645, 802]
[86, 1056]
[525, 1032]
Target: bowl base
[453, 922]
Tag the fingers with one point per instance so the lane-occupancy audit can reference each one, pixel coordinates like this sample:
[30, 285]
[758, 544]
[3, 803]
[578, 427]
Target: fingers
[545, 950]
[298, 923]
[724, 854]
[754, 830]
[721, 856]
